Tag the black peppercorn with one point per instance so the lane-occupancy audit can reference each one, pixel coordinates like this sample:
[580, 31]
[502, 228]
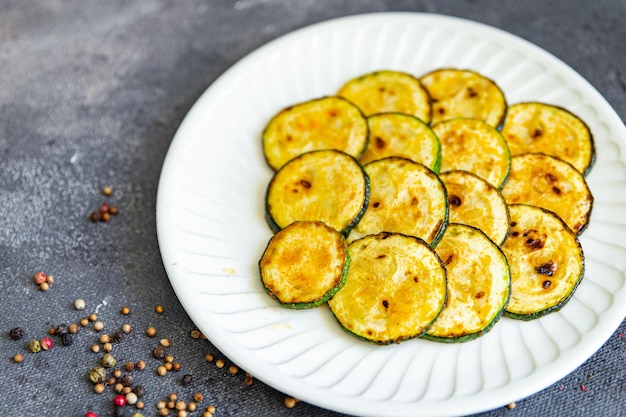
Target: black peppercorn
[159, 352]
[117, 337]
[67, 339]
[139, 391]
[16, 333]
[60, 330]
[127, 380]
[120, 411]
[187, 379]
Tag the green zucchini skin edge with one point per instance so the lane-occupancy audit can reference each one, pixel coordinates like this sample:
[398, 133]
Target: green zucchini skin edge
[559, 306]
[416, 336]
[315, 303]
[471, 336]
[345, 232]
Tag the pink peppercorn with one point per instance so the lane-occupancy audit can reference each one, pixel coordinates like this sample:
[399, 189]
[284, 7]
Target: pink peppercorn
[104, 208]
[40, 277]
[119, 401]
[91, 414]
[46, 343]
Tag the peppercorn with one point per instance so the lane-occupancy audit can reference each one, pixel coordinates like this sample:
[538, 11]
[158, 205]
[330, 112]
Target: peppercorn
[198, 397]
[158, 309]
[164, 412]
[126, 390]
[79, 304]
[93, 317]
[187, 379]
[168, 366]
[511, 406]
[111, 381]
[129, 366]
[176, 366]
[108, 360]
[107, 347]
[120, 412]
[195, 334]
[40, 277]
[91, 414]
[169, 359]
[131, 398]
[161, 371]
[44, 286]
[95, 348]
[105, 217]
[99, 388]
[97, 374]
[84, 322]
[161, 405]
[18, 358]
[233, 370]
[118, 387]
[127, 328]
[50, 279]
[140, 365]
[119, 401]
[165, 342]
[34, 346]
[210, 409]
[248, 380]
[127, 380]
[151, 332]
[208, 357]
[117, 337]
[72, 328]
[159, 352]
[67, 339]
[104, 338]
[171, 404]
[60, 330]
[139, 391]
[125, 311]
[180, 405]
[113, 210]
[219, 363]
[95, 216]
[192, 406]
[117, 373]
[289, 402]
[139, 406]
[98, 326]
[16, 333]
[107, 191]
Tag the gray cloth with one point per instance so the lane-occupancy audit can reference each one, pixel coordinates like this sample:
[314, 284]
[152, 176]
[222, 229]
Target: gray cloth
[91, 94]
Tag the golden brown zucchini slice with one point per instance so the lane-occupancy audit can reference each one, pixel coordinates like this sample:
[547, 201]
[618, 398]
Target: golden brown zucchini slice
[544, 128]
[327, 185]
[395, 288]
[475, 202]
[304, 264]
[324, 123]
[546, 261]
[398, 134]
[464, 93]
[388, 91]
[479, 285]
[405, 197]
[546, 181]
[475, 146]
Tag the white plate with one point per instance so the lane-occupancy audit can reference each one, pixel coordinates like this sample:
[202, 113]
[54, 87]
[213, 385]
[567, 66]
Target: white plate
[212, 231]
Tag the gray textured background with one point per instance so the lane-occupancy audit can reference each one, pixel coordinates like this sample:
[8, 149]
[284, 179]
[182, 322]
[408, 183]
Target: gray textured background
[91, 94]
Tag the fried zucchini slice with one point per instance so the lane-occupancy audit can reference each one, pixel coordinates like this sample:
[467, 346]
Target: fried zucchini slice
[475, 202]
[546, 181]
[304, 264]
[479, 285]
[388, 91]
[546, 261]
[405, 197]
[475, 146]
[327, 185]
[544, 128]
[395, 288]
[324, 123]
[398, 134]
[461, 93]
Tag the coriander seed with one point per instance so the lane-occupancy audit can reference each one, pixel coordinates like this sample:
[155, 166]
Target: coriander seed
[181, 413]
[84, 322]
[198, 397]
[210, 409]
[289, 402]
[161, 371]
[195, 334]
[95, 348]
[118, 387]
[165, 342]
[104, 338]
[208, 357]
[107, 191]
[173, 396]
[164, 412]
[140, 365]
[113, 210]
[99, 388]
[16, 333]
[158, 309]
[93, 317]
[151, 332]
[108, 360]
[176, 366]
[108, 347]
[18, 358]
[125, 311]
[160, 405]
[127, 328]
[233, 370]
[117, 373]
[44, 286]
[50, 279]
[126, 390]
[98, 326]
[219, 363]
[139, 406]
[169, 359]
[72, 328]
[111, 381]
[168, 366]
[180, 405]
[34, 346]
[192, 406]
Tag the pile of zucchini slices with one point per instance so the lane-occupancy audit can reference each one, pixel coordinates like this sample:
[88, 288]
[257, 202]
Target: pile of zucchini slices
[425, 206]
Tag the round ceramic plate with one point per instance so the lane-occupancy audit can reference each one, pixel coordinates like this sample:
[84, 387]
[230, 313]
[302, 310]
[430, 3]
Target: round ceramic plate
[212, 230]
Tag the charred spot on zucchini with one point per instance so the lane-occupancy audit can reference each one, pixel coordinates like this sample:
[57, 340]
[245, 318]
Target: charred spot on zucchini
[405, 197]
[325, 123]
[533, 127]
[397, 134]
[388, 91]
[475, 202]
[395, 288]
[479, 284]
[304, 264]
[546, 261]
[549, 182]
[462, 93]
[475, 146]
[326, 185]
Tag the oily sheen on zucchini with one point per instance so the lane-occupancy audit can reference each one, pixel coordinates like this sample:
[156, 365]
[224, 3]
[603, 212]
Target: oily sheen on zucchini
[397, 134]
[405, 197]
[475, 202]
[475, 146]
[394, 290]
[546, 261]
[478, 285]
[304, 264]
[544, 128]
[548, 182]
[328, 186]
[461, 93]
[388, 91]
[324, 123]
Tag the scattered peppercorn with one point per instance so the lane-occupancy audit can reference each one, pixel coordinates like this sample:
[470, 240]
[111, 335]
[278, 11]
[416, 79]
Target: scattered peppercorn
[192, 406]
[140, 365]
[104, 338]
[113, 210]
[248, 380]
[233, 370]
[50, 279]
[127, 380]
[108, 360]
[91, 414]
[95, 348]
[18, 358]
[79, 304]
[165, 342]
[117, 373]
[118, 387]
[99, 388]
[93, 317]
[40, 277]
[98, 326]
[117, 337]
[72, 328]
[161, 371]
[44, 286]
[176, 367]
[219, 363]
[131, 398]
[34, 346]
[289, 402]
[187, 379]
[119, 401]
[158, 309]
[129, 366]
[161, 405]
[84, 322]
[198, 397]
[159, 352]
[168, 366]
[61, 329]
[151, 332]
[16, 333]
[125, 311]
[195, 334]
[208, 357]
[97, 374]
[67, 339]
[127, 328]
[139, 391]
[107, 191]
[139, 406]
[108, 347]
